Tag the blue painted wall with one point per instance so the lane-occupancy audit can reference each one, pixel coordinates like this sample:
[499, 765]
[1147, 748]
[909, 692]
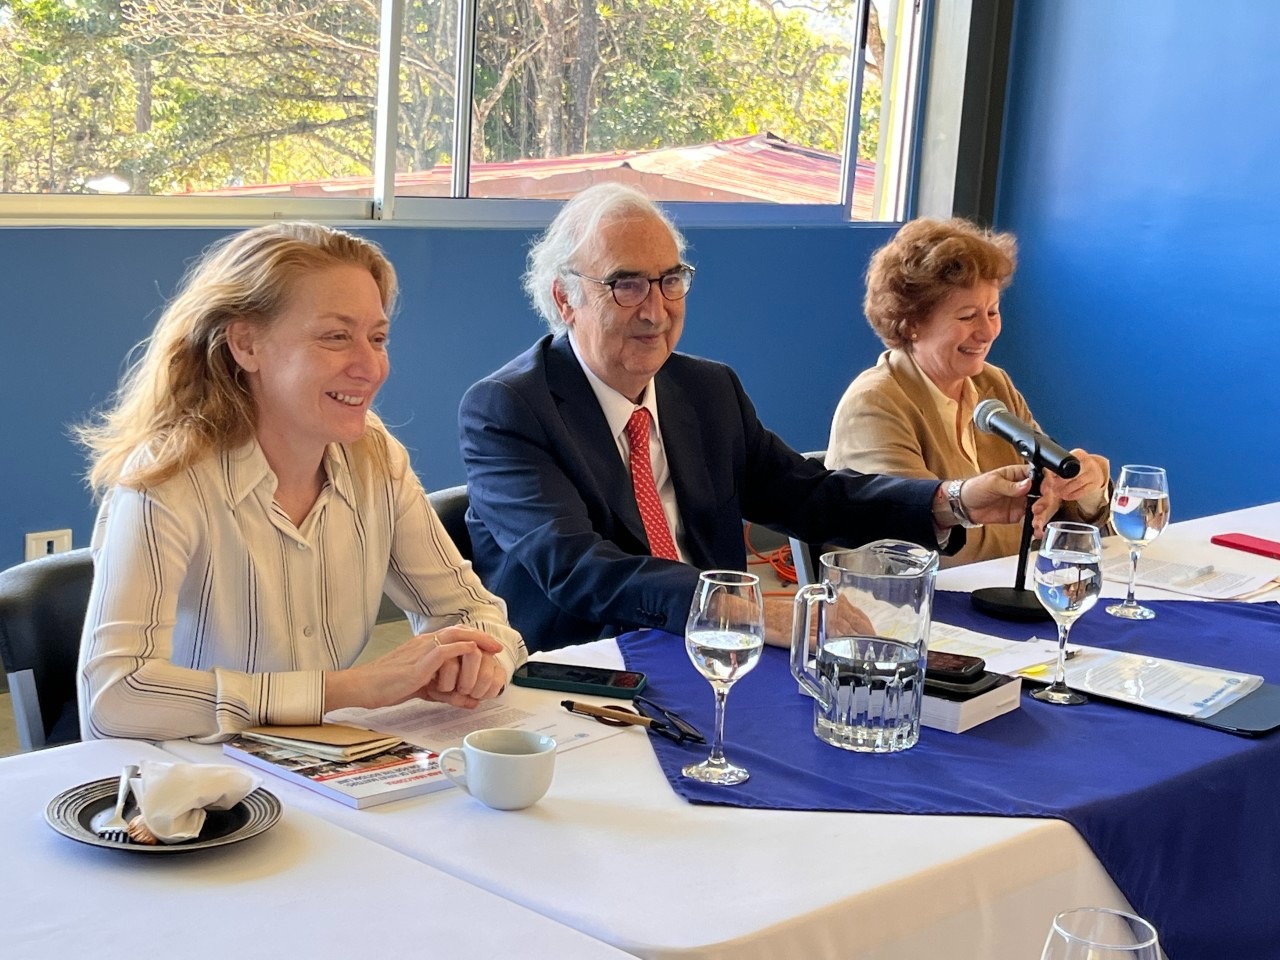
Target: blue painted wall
[1140, 175]
[1138, 172]
[779, 304]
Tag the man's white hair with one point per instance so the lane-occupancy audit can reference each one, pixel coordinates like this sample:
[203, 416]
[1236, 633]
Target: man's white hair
[575, 229]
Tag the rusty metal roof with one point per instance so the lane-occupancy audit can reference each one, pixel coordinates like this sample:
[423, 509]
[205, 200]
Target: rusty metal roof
[762, 168]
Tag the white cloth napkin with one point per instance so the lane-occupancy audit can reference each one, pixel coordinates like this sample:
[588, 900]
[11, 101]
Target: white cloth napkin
[173, 797]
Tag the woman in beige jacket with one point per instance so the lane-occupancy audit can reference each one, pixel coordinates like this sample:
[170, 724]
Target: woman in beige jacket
[933, 298]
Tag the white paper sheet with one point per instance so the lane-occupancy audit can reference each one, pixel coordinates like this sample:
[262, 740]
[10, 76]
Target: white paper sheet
[437, 726]
[1185, 689]
[1011, 657]
[1208, 581]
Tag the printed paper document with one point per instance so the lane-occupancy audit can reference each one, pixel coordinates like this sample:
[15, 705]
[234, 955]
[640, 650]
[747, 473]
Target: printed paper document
[437, 725]
[1208, 581]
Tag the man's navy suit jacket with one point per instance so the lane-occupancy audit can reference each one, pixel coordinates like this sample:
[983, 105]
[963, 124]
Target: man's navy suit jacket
[554, 525]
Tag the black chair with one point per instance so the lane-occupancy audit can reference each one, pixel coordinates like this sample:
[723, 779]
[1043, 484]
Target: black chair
[805, 555]
[42, 610]
[450, 505]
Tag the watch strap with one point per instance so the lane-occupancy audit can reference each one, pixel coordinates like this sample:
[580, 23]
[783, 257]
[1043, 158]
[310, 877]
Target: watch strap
[952, 489]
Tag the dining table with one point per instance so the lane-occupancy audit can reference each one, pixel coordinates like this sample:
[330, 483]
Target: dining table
[612, 852]
[303, 887]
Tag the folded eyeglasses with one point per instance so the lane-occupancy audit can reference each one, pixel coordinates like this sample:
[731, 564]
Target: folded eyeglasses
[645, 713]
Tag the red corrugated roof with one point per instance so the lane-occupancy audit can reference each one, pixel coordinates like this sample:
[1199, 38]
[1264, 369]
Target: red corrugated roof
[761, 168]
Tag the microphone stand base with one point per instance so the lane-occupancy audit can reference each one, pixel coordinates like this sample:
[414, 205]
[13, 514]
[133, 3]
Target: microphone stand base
[1009, 603]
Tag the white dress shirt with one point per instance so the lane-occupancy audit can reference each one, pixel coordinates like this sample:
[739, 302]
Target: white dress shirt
[617, 411]
[211, 612]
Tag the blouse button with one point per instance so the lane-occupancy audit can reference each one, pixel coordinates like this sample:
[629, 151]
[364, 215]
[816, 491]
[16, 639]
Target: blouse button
[307, 631]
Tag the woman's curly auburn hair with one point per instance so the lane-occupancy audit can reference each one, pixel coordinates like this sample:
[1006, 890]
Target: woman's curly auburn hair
[923, 263]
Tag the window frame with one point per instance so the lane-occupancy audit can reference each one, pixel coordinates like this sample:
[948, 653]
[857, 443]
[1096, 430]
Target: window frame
[384, 208]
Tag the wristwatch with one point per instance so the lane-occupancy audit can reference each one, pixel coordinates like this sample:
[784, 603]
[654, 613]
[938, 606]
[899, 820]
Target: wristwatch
[952, 491]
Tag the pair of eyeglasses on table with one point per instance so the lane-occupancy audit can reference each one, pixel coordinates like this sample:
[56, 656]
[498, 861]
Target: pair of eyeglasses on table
[645, 713]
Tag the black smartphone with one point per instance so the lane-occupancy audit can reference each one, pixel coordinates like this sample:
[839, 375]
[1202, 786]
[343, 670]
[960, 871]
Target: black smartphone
[953, 667]
[572, 678]
[956, 675]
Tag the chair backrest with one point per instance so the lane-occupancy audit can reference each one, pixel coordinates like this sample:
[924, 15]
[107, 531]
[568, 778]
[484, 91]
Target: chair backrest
[805, 555]
[42, 610]
[450, 505]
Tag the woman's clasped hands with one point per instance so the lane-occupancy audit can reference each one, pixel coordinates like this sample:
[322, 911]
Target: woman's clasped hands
[456, 665]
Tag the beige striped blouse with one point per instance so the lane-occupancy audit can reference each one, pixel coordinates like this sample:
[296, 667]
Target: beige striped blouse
[211, 612]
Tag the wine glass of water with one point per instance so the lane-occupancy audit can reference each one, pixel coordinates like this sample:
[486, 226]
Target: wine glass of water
[1139, 511]
[1096, 933]
[724, 638]
[1068, 576]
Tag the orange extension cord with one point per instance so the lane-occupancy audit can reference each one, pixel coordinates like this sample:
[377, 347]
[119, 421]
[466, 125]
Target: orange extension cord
[780, 559]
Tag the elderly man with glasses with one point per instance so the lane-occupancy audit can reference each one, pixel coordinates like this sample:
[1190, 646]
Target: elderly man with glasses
[605, 470]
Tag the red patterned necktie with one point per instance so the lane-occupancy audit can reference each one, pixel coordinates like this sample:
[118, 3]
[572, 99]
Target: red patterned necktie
[655, 521]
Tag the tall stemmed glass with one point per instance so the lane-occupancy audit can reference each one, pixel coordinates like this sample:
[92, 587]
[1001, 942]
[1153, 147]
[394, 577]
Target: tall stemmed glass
[1068, 576]
[1139, 511]
[724, 638]
[1095, 933]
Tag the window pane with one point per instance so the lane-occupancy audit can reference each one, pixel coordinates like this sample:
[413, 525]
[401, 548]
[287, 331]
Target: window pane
[709, 100]
[890, 92]
[428, 64]
[170, 97]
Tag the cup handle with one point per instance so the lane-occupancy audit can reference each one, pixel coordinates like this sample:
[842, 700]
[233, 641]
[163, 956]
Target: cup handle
[450, 753]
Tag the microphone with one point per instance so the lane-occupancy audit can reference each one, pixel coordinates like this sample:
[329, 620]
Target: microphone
[992, 416]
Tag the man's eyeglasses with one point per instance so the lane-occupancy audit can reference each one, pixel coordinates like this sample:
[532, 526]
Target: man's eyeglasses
[633, 291]
[646, 713]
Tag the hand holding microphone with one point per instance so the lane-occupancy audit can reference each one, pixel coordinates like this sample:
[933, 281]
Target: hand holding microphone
[1072, 473]
[992, 416]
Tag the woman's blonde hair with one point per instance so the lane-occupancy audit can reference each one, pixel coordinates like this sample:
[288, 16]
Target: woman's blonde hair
[923, 263]
[185, 396]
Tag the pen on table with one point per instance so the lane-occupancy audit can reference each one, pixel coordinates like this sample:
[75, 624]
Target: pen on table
[617, 714]
[1039, 668]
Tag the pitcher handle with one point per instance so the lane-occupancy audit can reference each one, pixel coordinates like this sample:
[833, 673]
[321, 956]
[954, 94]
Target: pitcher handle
[801, 618]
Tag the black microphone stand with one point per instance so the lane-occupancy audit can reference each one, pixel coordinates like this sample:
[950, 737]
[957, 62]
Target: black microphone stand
[1017, 602]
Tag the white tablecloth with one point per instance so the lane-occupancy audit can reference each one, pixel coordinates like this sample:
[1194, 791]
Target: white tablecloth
[614, 853]
[303, 889]
[1187, 541]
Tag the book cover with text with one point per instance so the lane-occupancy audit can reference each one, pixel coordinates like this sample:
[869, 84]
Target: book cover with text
[404, 771]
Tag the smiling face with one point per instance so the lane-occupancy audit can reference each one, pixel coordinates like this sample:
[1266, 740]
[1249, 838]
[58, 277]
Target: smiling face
[315, 368]
[953, 340]
[625, 346]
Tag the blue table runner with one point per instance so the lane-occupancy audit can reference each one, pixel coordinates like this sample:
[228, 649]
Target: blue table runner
[1185, 819]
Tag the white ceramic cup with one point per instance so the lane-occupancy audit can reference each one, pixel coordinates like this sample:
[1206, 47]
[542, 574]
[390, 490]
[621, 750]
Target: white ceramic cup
[504, 769]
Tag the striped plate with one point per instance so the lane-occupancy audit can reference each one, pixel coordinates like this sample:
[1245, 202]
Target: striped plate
[76, 813]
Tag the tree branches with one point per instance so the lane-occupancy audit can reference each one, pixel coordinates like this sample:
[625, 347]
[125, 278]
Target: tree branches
[198, 94]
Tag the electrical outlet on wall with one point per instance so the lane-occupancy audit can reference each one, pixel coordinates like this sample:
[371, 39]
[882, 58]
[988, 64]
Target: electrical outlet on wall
[45, 542]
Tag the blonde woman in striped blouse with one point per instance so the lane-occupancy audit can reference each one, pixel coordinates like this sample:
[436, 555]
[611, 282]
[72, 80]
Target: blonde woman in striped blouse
[254, 510]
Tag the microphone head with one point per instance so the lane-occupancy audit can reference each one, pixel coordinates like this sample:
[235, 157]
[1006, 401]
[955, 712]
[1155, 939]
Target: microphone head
[984, 411]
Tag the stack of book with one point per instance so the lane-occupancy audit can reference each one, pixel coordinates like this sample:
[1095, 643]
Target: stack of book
[353, 766]
[958, 712]
[334, 741]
